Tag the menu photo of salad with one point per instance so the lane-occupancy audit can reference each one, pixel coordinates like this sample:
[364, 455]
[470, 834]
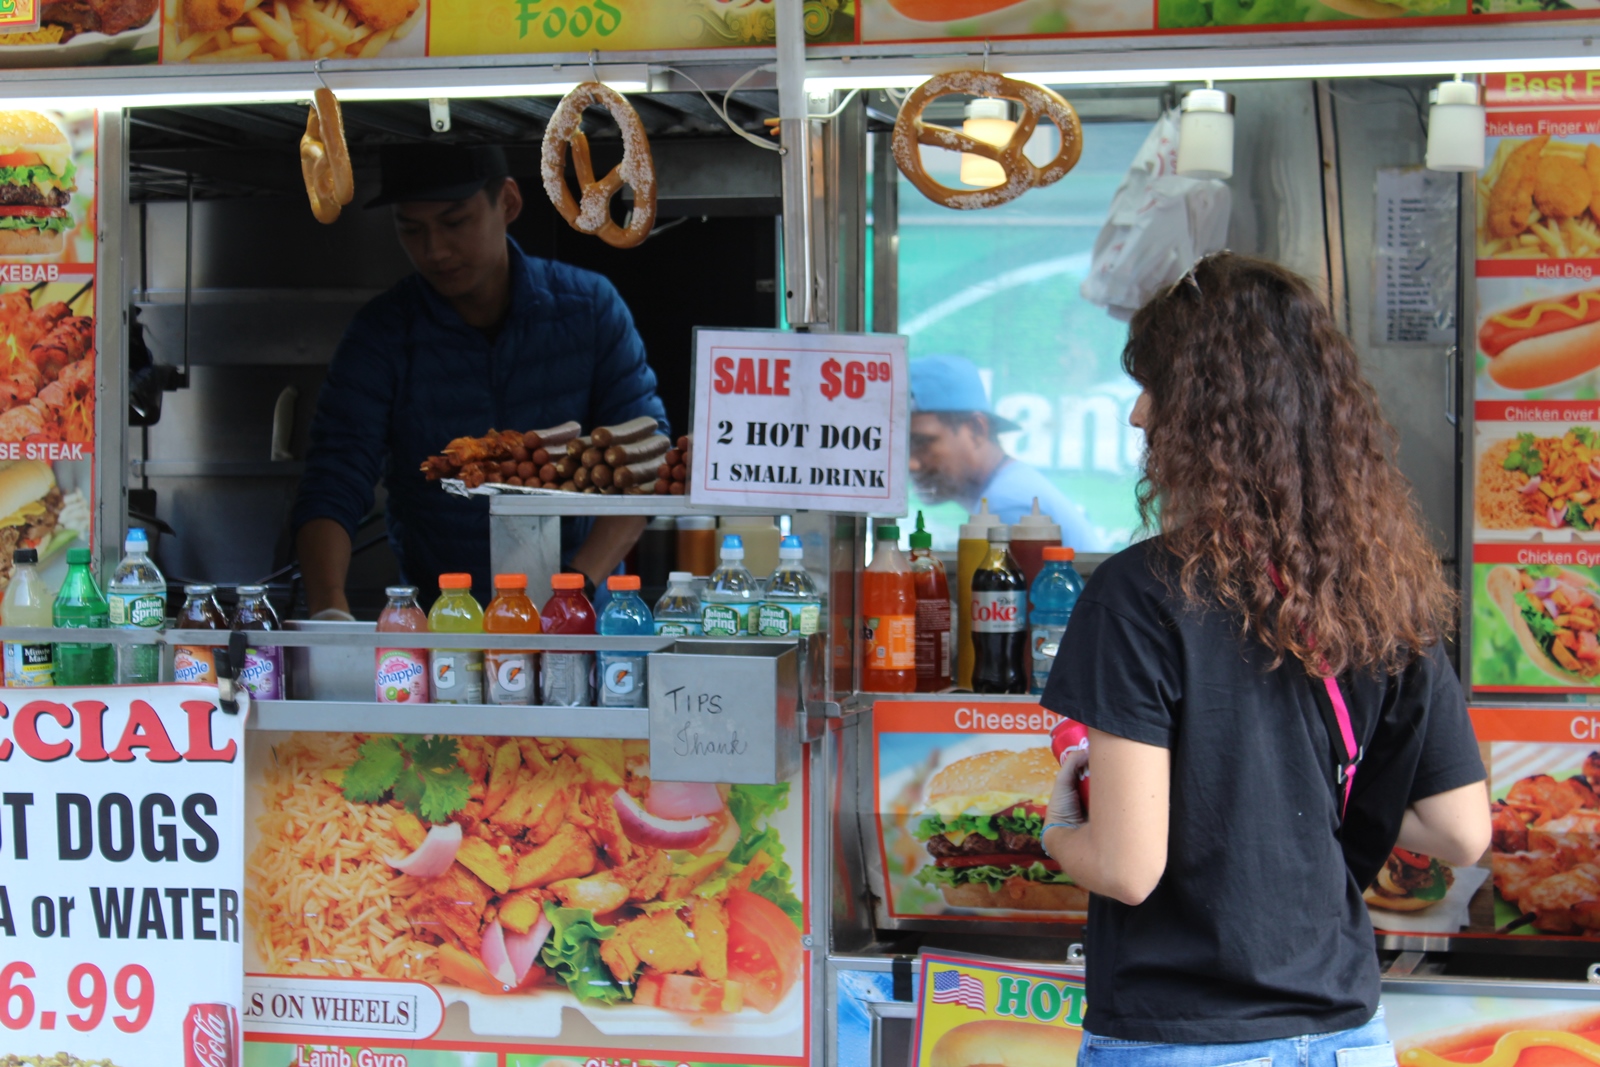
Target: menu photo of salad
[1536, 618]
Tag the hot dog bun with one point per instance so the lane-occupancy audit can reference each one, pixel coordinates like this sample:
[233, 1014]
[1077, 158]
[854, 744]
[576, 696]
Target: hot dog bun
[1548, 359]
[1004, 1043]
[1475, 1036]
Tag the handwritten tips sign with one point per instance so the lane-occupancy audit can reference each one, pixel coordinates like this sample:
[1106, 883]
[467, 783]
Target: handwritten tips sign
[121, 888]
[800, 420]
[722, 718]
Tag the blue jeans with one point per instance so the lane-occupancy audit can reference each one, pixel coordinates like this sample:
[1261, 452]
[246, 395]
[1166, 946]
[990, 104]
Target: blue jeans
[1363, 1046]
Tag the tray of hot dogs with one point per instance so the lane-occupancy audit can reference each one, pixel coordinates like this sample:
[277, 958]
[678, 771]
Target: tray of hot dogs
[632, 458]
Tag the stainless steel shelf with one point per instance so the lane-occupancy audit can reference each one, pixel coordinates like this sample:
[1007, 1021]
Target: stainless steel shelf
[546, 504]
[343, 639]
[465, 720]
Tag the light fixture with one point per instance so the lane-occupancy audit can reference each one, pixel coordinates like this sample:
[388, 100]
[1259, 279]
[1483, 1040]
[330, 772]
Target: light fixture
[989, 121]
[1456, 127]
[1205, 134]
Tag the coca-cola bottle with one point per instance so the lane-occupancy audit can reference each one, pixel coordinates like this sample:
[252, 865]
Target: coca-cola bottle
[999, 620]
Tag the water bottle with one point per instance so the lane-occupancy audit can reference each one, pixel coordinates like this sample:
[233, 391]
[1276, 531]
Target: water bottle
[622, 680]
[793, 607]
[1053, 596]
[137, 599]
[730, 594]
[677, 613]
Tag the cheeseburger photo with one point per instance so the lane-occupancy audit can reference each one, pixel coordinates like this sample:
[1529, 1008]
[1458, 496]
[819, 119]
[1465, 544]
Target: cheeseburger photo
[36, 182]
[983, 818]
[1543, 342]
[1004, 1043]
[30, 508]
[1409, 881]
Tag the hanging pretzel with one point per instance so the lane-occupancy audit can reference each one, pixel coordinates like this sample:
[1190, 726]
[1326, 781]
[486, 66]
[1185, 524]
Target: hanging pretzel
[1021, 174]
[325, 159]
[592, 214]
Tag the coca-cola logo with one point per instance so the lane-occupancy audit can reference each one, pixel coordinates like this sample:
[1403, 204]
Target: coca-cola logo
[994, 611]
[210, 1039]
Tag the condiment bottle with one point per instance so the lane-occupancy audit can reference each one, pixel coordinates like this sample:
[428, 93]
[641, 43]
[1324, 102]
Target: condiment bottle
[1030, 536]
[889, 611]
[999, 620]
[28, 602]
[697, 544]
[677, 613]
[622, 674]
[456, 674]
[972, 548]
[510, 676]
[200, 611]
[730, 594]
[80, 604]
[566, 678]
[401, 676]
[262, 674]
[933, 613]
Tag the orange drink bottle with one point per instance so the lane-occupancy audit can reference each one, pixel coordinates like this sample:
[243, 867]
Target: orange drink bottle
[889, 609]
[509, 677]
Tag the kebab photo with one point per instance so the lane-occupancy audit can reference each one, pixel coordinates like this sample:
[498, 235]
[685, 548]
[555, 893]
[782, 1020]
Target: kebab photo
[631, 458]
[1545, 851]
[46, 367]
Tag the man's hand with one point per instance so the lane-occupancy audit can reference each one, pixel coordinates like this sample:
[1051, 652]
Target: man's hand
[324, 548]
[609, 542]
[1066, 804]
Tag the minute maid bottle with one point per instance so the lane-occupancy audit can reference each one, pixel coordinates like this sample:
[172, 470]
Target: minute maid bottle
[730, 594]
[793, 607]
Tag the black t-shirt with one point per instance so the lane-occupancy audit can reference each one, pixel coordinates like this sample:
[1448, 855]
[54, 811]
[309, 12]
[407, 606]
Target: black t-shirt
[1257, 929]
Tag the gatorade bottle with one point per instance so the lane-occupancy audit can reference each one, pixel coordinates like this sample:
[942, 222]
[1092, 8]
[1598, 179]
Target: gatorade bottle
[730, 594]
[80, 605]
[1052, 597]
[28, 602]
[565, 678]
[971, 549]
[933, 613]
[889, 608]
[677, 613]
[1030, 536]
[999, 620]
[137, 599]
[793, 607]
[262, 673]
[621, 674]
[197, 664]
[456, 674]
[511, 676]
[401, 676]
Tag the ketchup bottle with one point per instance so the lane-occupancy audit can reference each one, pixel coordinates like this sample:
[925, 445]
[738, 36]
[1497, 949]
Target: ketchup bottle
[1067, 736]
[933, 613]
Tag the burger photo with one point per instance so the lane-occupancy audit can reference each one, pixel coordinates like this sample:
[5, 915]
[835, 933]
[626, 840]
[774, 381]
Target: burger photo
[36, 182]
[1409, 881]
[30, 510]
[1004, 1043]
[983, 820]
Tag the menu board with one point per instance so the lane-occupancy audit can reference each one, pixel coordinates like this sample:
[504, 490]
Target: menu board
[525, 901]
[944, 814]
[47, 331]
[1536, 364]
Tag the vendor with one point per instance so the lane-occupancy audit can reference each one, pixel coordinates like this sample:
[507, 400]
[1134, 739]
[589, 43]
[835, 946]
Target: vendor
[956, 453]
[481, 337]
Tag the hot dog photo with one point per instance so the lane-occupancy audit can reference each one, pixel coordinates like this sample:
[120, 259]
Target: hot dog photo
[1441, 1031]
[1537, 338]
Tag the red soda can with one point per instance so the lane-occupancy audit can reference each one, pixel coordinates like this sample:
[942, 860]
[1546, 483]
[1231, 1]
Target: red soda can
[211, 1036]
[1066, 736]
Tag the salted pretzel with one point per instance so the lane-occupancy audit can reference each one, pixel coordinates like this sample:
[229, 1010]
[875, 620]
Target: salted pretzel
[592, 213]
[1021, 174]
[325, 159]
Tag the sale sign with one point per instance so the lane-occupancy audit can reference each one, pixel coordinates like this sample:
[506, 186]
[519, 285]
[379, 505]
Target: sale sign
[121, 893]
[800, 420]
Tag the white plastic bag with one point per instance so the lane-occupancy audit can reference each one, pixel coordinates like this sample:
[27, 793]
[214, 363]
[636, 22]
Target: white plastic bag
[1160, 224]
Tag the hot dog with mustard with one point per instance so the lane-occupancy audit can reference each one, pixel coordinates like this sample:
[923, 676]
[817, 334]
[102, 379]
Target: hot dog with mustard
[1544, 341]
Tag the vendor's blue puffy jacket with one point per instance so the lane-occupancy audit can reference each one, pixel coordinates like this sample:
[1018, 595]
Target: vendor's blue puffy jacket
[410, 375]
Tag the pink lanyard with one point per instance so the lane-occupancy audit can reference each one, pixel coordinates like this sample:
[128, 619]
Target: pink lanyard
[1335, 715]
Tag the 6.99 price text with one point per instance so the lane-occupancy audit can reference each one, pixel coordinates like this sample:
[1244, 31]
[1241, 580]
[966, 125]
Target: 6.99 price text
[133, 989]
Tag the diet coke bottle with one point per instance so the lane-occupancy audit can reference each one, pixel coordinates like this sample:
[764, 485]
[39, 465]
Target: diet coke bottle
[999, 620]
[211, 1036]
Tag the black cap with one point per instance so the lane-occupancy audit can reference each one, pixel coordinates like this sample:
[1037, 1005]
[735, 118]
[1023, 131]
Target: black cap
[25, 555]
[436, 171]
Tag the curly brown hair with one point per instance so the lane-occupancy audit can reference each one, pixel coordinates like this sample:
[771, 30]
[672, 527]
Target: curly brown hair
[1266, 451]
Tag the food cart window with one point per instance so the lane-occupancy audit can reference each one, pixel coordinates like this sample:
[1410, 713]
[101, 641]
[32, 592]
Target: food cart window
[1000, 288]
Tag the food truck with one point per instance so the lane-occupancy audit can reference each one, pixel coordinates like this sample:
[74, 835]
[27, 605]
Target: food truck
[495, 886]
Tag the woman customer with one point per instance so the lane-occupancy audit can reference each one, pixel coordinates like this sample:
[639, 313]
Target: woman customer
[1226, 855]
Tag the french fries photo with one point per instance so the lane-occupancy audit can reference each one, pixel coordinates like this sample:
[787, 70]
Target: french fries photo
[1539, 198]
[261, 31]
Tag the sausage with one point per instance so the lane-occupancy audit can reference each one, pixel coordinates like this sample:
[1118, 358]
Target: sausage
[507, 468]
[547, 473]
[581, 478]
[576, 446]
[601, 475]
[642, 489]
[525, 470]
[555, 435]
[592, 456]
[636, 473]
[649, 448]
[566, 467]
[673, 457]
[513, 480]
[677, 489]
[626, 432]
[569, 486]
[683, 443]
[539, 457]
[610, 490]
[680, 473]
[664, 472]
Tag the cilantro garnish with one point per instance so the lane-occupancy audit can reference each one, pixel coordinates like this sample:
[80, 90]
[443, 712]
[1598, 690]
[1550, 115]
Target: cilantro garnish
[420, 772]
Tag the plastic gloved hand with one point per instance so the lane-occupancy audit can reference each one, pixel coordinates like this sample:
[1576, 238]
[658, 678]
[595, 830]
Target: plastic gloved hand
[1066, 805]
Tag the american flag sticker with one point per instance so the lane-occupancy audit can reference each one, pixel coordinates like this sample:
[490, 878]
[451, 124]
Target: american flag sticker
[958, 987]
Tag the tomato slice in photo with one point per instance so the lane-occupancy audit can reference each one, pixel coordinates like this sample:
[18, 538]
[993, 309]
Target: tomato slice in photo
[20, 159]
[33, 209]
[764, 951]
[997, 859]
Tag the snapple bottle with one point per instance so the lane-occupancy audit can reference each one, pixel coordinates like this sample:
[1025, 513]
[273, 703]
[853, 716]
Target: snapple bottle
[263, 667]
[509, 677]
[402, 673]
[198, 663]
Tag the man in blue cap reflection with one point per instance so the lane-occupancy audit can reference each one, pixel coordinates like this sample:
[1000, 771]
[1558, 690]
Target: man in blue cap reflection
[956, 453]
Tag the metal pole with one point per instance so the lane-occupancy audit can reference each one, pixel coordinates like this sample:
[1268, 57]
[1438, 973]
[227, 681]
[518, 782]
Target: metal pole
[800, 290]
